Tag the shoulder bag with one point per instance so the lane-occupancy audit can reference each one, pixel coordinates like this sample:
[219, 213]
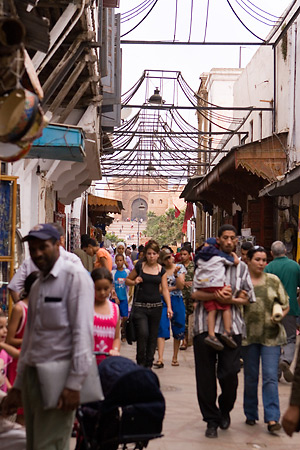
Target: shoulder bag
[130, 333]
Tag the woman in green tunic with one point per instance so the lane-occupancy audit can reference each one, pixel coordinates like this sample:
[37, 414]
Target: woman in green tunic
[263, 341]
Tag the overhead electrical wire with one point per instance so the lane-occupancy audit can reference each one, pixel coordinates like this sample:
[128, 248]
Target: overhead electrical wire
[256, 18]
[141, 21]
[175, 25]
[191, 20]
[125, 17]
[274, 22]
[269, 14]
[240, 20]
[172, 149]
[206, 20]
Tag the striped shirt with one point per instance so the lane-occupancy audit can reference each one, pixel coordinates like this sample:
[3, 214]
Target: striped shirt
[239, 279]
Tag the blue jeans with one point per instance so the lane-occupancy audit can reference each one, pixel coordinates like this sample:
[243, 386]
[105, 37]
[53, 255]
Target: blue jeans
[270, 359]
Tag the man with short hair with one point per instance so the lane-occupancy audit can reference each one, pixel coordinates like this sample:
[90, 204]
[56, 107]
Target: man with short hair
[288, 271]
[134, 253]
[245, 247]
[59, 327]
[103, 258]
[225, 364]
[85, 258]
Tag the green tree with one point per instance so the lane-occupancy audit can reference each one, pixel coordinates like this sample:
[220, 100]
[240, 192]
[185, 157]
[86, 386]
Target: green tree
[165, 229]
[112, 238]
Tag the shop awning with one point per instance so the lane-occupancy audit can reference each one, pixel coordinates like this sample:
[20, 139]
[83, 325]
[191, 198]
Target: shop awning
[60, 142]
[244, 171]
[104, 205]
[188, 192]
[289, 185]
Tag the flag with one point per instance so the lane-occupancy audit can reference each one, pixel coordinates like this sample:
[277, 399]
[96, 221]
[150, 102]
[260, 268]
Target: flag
[177, 211]
[189, 212]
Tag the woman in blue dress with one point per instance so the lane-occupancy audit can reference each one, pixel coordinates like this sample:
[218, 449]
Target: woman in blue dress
[176, 279]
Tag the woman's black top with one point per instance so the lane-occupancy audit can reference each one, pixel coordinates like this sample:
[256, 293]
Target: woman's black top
[148, 290]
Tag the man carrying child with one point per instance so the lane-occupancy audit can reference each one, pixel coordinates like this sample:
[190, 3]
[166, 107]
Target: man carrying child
[237, 291]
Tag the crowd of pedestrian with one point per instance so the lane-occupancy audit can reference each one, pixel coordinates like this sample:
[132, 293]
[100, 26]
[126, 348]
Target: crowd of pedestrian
[69, 305]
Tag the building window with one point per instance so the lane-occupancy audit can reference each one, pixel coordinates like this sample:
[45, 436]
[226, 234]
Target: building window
[152, 201]
[160, 201]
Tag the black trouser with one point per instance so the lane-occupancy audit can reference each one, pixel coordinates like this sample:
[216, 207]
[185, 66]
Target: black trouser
[210, 364]
[146, 322]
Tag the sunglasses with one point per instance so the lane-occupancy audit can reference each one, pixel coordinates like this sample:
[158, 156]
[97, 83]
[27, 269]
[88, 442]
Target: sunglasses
[259, 248]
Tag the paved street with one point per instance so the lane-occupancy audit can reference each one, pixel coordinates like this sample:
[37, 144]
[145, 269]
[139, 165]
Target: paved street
[183, 425]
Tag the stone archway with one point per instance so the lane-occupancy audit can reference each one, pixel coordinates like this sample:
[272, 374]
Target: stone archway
[139, 213]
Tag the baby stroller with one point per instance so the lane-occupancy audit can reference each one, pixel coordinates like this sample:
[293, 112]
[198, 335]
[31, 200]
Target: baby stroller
[132, 412]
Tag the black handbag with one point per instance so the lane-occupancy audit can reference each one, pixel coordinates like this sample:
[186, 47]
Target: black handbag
[130, 333]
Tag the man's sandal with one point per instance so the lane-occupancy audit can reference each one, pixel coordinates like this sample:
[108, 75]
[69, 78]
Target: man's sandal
[175, 363]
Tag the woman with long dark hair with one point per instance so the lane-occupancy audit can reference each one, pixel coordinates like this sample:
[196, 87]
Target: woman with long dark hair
[147, 277]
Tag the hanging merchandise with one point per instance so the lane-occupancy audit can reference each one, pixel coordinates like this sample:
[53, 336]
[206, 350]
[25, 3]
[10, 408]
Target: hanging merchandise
[21, 122]
[12, 35]
[18, 109]
[13, 152]
[21, 117]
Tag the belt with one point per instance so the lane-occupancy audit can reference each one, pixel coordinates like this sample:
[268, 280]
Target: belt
[148, 305]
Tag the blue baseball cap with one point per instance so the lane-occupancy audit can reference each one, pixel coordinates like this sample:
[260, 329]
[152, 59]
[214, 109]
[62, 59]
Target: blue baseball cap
[43, 231]
[211, 241]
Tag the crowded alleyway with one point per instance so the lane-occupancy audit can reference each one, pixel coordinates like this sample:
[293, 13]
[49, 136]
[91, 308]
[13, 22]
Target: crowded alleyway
[183, 426]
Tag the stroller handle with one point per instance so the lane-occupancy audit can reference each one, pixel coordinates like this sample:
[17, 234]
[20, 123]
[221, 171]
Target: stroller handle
[101, 353]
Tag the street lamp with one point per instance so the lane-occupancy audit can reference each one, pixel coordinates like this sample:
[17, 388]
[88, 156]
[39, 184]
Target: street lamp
[141, 207]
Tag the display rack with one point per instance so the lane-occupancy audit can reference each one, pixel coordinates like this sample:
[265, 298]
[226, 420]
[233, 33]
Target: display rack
[8, 212]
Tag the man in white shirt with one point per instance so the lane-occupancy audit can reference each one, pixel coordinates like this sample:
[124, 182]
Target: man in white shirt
[59, 327]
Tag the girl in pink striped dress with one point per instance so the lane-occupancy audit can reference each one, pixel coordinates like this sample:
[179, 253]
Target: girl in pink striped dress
[106, 317]
[17, 322]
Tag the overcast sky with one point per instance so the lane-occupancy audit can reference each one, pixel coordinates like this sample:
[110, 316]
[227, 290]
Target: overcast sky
[222, 25]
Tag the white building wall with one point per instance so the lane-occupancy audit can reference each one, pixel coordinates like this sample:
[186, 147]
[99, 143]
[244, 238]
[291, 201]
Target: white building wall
[25, 170]
[254, 88]
[219, 84]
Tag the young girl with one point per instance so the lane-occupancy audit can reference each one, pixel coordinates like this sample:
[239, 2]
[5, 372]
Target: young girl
[5, 358]
[17, 322]
[119, 275]
[106, 317]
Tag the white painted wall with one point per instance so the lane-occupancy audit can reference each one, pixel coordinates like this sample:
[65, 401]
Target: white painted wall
[219, 84]
[254, 87]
